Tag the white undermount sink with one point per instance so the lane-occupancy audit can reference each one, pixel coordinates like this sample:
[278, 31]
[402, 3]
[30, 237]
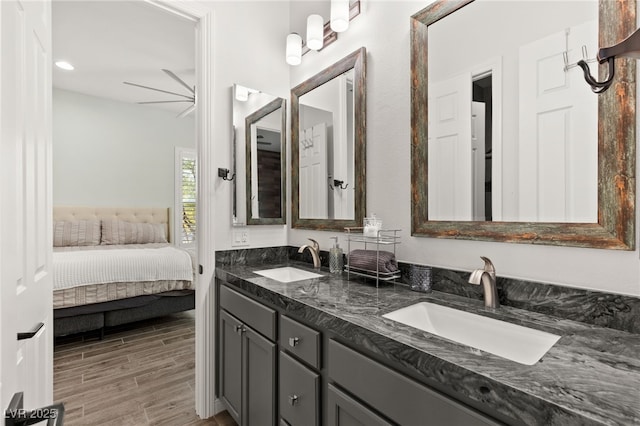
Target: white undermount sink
[516, 343]
[287, 274]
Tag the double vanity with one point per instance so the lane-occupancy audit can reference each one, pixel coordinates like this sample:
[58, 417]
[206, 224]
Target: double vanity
[299, 346]
[324, 350]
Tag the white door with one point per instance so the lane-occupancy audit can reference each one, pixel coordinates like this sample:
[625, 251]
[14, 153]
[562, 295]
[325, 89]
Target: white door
[25, 202]
[314, 183]
[450, 151]
[479, 155]
[558, 132]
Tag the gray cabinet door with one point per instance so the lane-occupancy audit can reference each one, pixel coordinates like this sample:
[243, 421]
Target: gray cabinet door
[404, 401]
[299, 393]
[230, 373]
[259, 382]
[342, 410]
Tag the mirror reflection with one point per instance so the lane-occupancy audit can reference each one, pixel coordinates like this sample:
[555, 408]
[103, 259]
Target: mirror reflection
[616, 123]
[326, 150]
[259, 120]
[513, 130]
[328, 145]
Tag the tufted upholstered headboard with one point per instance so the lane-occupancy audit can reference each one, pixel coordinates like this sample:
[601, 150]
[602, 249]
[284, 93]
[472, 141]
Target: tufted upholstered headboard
[129, 214]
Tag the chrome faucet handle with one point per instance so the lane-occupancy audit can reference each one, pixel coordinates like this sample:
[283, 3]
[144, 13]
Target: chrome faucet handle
[488, 265]
[315, 245]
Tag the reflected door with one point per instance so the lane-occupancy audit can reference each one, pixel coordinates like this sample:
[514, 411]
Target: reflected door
[558, 131]
[450, 150]
[479, 154]
[314, 185]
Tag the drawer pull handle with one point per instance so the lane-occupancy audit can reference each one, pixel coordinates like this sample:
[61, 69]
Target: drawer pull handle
[293, 341]
[293, 399]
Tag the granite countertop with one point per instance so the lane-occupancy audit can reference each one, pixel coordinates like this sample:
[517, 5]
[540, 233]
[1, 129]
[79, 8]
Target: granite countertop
[590, 376]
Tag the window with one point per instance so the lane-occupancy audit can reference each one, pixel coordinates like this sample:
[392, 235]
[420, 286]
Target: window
[185, 201]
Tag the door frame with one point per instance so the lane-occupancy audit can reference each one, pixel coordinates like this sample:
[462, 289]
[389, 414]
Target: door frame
[493, 67]
[206, 403]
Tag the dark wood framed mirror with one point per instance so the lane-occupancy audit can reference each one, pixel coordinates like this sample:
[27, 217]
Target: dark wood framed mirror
[328, 147]
[616, 148]
[266, 164]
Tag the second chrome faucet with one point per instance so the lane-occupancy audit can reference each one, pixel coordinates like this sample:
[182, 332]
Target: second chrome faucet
[487, 276]
[314, 249]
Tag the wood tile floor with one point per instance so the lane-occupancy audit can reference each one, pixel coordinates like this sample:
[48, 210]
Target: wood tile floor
[141, 374]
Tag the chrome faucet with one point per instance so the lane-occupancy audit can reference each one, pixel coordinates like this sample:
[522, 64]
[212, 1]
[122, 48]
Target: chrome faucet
[487, 276]
[314, 249]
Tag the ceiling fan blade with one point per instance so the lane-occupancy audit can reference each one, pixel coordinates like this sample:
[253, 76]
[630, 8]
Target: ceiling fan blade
[187, 111]
[162, 102]
[158, 90]
[179, 80]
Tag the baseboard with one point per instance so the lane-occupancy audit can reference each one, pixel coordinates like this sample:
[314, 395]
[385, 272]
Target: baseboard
[218, 406]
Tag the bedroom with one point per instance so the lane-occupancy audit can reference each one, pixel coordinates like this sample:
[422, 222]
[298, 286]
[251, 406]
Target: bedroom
[123, 160]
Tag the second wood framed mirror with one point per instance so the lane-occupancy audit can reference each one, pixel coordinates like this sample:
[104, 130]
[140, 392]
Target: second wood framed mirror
[328, 146]
[609, 220]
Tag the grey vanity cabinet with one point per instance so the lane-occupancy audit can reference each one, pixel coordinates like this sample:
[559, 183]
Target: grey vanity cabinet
[247, 359]
[395, 396]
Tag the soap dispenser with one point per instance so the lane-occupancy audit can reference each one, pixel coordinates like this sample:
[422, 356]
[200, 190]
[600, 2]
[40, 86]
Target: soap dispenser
[335, 258]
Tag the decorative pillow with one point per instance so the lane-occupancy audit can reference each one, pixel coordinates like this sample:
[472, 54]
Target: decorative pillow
[120, 232]
[76, 233]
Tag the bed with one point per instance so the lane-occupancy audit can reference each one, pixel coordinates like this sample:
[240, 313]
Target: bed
[114, 266]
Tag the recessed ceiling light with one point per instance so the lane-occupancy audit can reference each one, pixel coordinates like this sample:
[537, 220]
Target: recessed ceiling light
[65, 65]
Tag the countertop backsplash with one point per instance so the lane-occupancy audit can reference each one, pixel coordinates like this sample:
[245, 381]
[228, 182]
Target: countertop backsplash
[614, 311]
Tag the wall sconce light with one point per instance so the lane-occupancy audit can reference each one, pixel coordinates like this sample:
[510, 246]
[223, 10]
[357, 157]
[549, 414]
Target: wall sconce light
[321, 35]
[294, 49]
[315, 32]
[339, 15]
[242, 93]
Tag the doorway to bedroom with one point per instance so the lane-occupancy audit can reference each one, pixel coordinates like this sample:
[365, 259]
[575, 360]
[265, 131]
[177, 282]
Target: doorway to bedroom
[124, 136]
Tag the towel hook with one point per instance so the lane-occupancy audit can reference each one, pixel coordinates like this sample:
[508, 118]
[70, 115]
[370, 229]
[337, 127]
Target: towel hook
[598, 86]
[224, 174]
[629, 47]
[339, 184]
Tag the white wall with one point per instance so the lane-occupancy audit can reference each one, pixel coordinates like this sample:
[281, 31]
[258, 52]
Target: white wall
[248, 39]
[383, 28]
[109, 153]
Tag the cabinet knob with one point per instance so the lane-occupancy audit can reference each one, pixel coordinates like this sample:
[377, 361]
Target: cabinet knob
[239, 329]
[293, 399]
[293, 341]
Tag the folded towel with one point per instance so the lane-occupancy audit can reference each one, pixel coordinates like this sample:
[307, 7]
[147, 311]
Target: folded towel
[368, 259]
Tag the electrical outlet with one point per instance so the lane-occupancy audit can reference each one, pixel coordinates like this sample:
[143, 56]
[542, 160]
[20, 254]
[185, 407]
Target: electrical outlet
[240, 237]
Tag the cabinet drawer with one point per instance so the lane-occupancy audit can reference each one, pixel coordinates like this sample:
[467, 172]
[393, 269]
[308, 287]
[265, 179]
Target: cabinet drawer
[299, 393]
[399, 398]
[250, 312]
[301, 341]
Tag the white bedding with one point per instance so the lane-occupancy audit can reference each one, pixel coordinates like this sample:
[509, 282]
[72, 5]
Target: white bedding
[75, 268]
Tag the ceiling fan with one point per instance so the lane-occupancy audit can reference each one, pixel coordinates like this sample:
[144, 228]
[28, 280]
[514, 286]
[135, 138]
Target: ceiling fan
[190, 98]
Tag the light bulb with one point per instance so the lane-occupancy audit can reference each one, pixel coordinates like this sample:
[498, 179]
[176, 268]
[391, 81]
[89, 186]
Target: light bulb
[65, 65]
[294, 49]
[242, 93]
[339, 15]
[315, 32]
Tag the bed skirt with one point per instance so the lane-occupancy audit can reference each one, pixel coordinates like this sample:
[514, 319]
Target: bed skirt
[97, 316]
